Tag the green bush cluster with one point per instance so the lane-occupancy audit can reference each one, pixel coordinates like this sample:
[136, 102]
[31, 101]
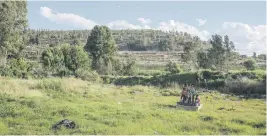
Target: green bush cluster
[224, 82]
[245, 86]
[173, 68]
[68, 60]
[16, 67]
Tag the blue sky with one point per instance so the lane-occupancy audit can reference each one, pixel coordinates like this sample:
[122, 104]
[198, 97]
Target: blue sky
[241, 20]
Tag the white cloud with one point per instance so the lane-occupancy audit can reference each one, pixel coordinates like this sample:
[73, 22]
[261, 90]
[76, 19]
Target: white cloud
[67, 18]
[247, 38]
[178, 26]
[118, 6]
[201, 22]
[122, 24]
[144, 21]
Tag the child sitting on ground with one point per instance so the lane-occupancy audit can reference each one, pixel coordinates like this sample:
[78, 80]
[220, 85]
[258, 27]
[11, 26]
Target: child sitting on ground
[184, 94]
[197, 100]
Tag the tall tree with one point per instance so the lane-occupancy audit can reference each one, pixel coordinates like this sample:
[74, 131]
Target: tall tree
[75, 57]
[101, 46]
[203, 60]
[217, 52]
[254, 55]
[13, 24]
[229, 48]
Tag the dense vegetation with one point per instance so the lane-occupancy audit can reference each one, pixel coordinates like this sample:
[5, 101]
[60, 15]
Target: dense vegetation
[99, 53]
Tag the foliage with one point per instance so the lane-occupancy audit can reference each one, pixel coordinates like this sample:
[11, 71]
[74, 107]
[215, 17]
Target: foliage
[173, 68]
[127, 40]
[203, 60]
[262, 56]
[53, 59]
[13, 23]
[17, 68]
[165, 45]
[101, 46]
[214, 79]
[128, 68]
[250, 64]
[75, 57]
[245, 86]
[221, 52]
[88, 75]
[65, 60]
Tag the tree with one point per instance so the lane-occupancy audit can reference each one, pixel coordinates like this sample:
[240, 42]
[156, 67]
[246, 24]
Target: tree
[19, 68]
[217, 52]
[53, 59]
[173, 68]
[222, 51]
[66, 58]
[129, 68]
[250, 64]
[75, 58]
[262, 56]
[102, 47]
[13, 24]
[164, 45]
[254, 55]
[203, 60]
[229, 47]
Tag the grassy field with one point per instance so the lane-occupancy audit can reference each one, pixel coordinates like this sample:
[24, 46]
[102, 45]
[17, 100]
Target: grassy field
[33, 106]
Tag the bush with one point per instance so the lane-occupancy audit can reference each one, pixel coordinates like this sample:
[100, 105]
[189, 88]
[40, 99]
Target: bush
[88, 75]
[75, 57]
[65, 60]
[130, 81]
[16, 68]
[244, 86]
[250, 64]
[5, 71]
[213, 75]
[173, 68]
[126, 69]
[166, 80]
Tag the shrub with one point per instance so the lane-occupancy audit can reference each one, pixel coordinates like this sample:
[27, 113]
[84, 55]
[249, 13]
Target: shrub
[213, 75]
[244, 86]
[16, 68]
[126, 69]
[88, 75]
[75, 57]
[250, 64]
[5, 71]
[173, 68]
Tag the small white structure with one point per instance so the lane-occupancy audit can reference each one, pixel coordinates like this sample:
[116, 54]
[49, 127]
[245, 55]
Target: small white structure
[188, 107]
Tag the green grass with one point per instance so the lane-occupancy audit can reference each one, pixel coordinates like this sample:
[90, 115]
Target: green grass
[33, 106]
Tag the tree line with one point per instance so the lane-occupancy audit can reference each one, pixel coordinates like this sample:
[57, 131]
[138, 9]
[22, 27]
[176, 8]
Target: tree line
[84, 52]
[127, 40]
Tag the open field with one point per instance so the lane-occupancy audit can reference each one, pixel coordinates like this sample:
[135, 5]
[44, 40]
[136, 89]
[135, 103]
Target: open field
[33, 106]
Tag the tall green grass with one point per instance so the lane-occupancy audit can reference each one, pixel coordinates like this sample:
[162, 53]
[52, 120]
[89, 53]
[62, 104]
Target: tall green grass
[100, 109]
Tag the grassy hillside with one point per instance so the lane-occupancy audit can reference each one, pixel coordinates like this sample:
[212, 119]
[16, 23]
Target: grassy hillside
[33, 106]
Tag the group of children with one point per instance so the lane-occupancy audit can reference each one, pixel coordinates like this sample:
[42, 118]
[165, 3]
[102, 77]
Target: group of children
[189, 95]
